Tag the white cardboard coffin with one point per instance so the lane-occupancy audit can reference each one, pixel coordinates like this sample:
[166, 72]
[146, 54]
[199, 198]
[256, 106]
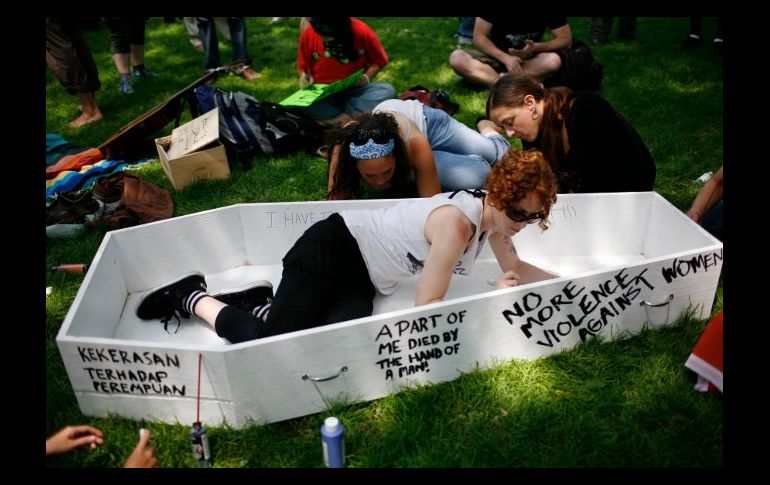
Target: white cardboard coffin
[626, 260]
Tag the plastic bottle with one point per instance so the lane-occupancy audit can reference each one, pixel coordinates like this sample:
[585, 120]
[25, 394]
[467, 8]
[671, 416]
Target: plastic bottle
[199, 441]
[704, 178]
[333, 442]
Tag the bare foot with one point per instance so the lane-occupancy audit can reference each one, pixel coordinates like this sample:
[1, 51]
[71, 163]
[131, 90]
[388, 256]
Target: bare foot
[487, 127]
[84, 119]
[250, 74]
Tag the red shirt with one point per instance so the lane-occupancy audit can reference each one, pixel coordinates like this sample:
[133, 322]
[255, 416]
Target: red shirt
[325, 70]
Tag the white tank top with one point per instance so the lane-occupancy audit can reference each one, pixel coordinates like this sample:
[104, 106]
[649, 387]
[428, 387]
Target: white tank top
[411, 110]
[392, 239]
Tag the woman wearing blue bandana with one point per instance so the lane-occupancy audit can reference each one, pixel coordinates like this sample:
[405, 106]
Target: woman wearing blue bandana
[436, 146]
[368, 157]
[335, 269]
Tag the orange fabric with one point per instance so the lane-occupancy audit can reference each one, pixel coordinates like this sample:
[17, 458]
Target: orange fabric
[74, 162]
[706, 358]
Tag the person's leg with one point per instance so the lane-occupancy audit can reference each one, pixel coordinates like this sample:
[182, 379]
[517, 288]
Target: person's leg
[627, 28]
[137, 48]
[543, 65]
[457, 171]
[191, 26]
[464, 34]
[719, 40]
[208, 36]
[364, 98]
[120, 47]
[327, 108]
[238, 35]
[91, 111]
[72, 63]
[600, 30]
[224, 28]
[476, 68]
[712, 221]
[449, 135]
[693, 39]
[322, 267]
[695, 25]
[240, 51]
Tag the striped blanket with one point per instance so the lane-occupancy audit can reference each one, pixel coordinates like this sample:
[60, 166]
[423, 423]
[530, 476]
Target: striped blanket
[67, 171]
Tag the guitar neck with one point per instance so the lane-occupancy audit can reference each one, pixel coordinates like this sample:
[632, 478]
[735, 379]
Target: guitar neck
[122, 141]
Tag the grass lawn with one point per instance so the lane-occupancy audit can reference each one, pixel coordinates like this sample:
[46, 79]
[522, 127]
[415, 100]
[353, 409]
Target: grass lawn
[611, 404]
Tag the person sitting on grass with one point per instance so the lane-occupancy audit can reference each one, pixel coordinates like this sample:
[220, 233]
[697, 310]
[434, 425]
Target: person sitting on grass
[332, 49]
[336, 267]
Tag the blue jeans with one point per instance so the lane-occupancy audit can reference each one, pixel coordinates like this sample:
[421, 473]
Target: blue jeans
[463, 156]
[712, 221]
[466, 26]
[208, 33]
[353, 101]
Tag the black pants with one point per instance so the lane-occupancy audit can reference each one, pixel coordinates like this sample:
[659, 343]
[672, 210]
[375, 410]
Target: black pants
[324, 281]
[125, 32]
[69, 57]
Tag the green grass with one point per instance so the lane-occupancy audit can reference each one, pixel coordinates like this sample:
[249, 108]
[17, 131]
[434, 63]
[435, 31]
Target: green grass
[613, 404]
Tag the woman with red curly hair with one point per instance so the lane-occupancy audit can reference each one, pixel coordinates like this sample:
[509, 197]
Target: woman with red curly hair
[338, 265]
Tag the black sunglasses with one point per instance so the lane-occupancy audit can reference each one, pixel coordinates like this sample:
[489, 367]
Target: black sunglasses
[361, 136]
[517, 215]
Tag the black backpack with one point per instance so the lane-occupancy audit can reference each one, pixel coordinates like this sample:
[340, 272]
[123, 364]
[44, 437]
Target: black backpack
[240, 123]
[290, 130]
[579, 70]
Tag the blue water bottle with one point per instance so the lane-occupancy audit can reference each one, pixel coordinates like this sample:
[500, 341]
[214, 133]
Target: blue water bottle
[333, 441]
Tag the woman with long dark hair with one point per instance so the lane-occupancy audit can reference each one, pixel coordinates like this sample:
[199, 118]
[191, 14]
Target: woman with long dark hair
[590, 146]
[368, 157]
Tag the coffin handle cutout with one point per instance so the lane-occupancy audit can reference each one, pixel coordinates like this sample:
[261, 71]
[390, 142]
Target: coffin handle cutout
[647, 305]
[327, 378]
[656, 305]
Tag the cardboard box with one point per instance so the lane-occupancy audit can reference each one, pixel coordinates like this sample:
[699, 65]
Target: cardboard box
[193, 152]
[626, 261]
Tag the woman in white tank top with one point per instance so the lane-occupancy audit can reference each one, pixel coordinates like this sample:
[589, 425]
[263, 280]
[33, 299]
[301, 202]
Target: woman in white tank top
[334, 270]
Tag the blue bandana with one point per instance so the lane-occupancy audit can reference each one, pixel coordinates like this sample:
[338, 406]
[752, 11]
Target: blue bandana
[371, 149]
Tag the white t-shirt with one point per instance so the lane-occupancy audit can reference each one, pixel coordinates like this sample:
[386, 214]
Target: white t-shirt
[392, 239]
[411, 109]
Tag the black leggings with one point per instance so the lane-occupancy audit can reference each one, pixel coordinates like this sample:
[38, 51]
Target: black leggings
[125, 32]
[324, 281]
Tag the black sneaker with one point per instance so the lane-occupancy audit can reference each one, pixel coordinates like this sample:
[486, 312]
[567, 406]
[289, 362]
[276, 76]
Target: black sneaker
[248, 296]
[167, 301]
[80, 203]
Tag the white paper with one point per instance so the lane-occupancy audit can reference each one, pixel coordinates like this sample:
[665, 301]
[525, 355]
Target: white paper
[195, 134]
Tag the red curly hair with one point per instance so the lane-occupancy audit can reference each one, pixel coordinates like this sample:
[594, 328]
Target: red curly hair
[519, 173]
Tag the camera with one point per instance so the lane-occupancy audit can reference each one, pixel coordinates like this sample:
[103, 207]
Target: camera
[517, 41]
